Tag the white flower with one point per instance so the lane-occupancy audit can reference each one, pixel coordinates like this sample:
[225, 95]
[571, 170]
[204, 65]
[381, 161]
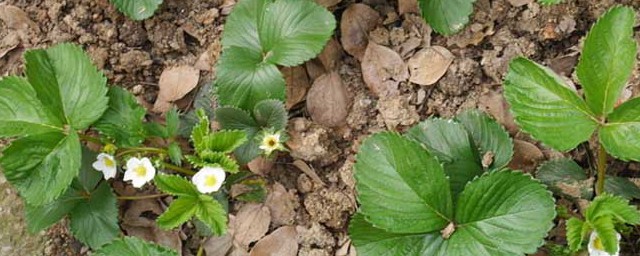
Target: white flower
[271, 142]
[209, 179]
[139, 171]
[597, 249]
[106, 164]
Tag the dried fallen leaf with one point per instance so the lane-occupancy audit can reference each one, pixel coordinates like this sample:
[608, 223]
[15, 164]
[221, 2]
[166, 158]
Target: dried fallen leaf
[304, 167]
[282, 205]
[383, 70]
[357, 21]
[328, 101]
[526, 156]
[218, 245]
[331, 55]
[252, 223]
[408, 6]
[8, 43]
[429, 65]
[298, 84]
[314, 68]
[260, 165]
[175, 83]
[282, 242]
[495, 104]
[138, 221]
[15, 18]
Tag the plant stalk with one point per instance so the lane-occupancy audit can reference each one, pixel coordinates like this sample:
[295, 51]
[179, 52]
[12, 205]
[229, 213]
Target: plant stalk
[141, 197]
[88, 138]
[179, 169]
[602, 169]
[126, 151]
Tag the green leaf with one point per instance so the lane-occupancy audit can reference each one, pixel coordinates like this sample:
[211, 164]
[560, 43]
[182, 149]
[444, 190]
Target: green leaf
[68, 84]
[88, 178]
[391, 174]
[549, 2]
[606, 230]
[231, 118]
[204, 101]
[565, 177]
[95, 220]
[294, 31]
[200, 133]
[21, 113]
[175, 185]
[175, 153]
[180, 211]
[137, 9]
[123, 120]
[620, 136]
[621, 186]
[575, 233]
[43, 216]
[607, 59]
[450, 142]
[220, 159]
[172, 120]
[243, 79]
[616, 207]
[156, 129]
[256, 190]
[241, 28]
[446, 16]
[488, 136]
[226, 141]
[211, 213]
[42, 166]
[133, 246]
[271, 114]
[545, 107]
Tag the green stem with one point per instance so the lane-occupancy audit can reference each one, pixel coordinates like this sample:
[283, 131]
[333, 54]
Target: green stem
[602, 169]
[126, 151]
[141, 197]
[89, 138]
[179, 169]
[200, 249]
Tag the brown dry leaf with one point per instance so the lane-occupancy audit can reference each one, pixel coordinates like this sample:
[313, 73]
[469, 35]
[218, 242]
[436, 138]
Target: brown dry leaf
[8, 43]
[429, 65]
[298, 84]
[526, 156]
[314, 68]
[260, 165]
[495, 104]
[304, 167]
[328, 100]
[136, 222]
[282, 205]
[356, 23]
[383, 70]
[408, 6]
[252, 223]
[218, 245]
[15, 18]
[175, 83]
[282, 242]
[331, 55]
[328, 3]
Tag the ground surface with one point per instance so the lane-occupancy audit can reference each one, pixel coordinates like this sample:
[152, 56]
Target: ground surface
[313, 206]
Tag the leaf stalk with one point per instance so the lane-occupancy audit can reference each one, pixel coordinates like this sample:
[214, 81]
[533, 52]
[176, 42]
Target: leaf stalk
[602, 169]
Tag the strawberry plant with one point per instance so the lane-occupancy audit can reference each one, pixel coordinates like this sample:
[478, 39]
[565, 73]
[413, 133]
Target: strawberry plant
[442, 189]
[260, 35]
[552, 111]
[137, 9]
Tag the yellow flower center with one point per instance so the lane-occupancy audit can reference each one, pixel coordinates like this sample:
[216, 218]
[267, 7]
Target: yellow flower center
[597, 243]
[210, 180]
[108, 162]
[271, 142]
[140, 171]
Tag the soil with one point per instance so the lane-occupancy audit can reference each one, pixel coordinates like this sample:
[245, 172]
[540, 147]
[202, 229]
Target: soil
[320, 198]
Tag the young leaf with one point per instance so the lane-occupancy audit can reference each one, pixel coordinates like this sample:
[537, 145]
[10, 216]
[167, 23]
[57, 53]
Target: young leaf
[175, 185]
[271, 114]
[614, 206]
[392, 173]
[544, 107]
[156, 129]
[226, 141]
[94, 221]
[488, 136]
[42, 166]
[123, 120]
[137, 9]
[218, 158]
[180, 211]
[446, 16]
[133, 246]
[622, 187]
[211, 213]
[68, 84]
[607, 59]
[450, 142]
[21, 112]
[575, 233]
[173, 122]
[175, 153]
[200, 133]
[620, 136]
[565, 177]
[606, 230]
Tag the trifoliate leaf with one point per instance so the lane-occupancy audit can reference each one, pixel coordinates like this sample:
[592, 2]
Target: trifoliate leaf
[211, 213]
[137, 9]
[606, 230]
[621, 186]
[446, 16]
[22, 113]
[616, 207]
[180, 211]
[175, 185]
[243, 79]
[68, 84]
[173, 122]
[271, 114]
[123, 120]
[488, 136]
[94, 221]
[620, 136]
[575, 233]
[134, 246]
[607, 59]
[545, 107]
[401, 187]
[226, 141]
[43, 216]
[175, 153]
[565, 177]
[450, 142]
[42, 166]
